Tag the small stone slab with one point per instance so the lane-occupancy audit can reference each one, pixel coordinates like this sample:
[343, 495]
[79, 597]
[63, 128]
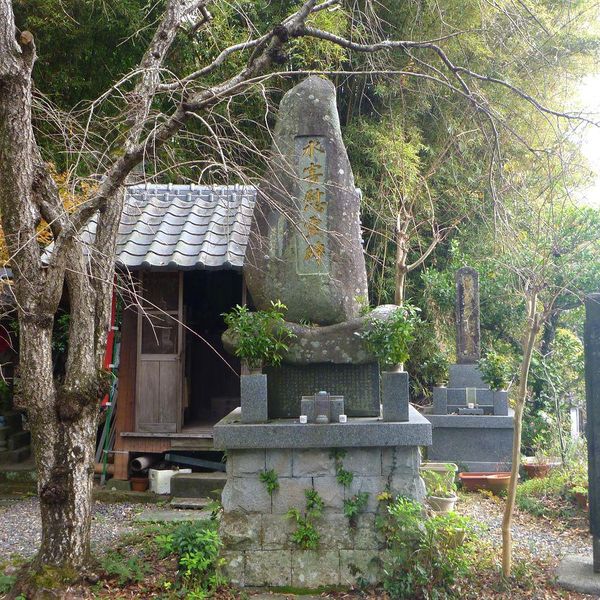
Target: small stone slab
[575, 573]
[197, 485]
[172, 516]
[190, 503]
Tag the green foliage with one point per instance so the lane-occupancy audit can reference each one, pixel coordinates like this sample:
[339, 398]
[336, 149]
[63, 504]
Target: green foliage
[260, 337]
[6, 583]
[306, 535]
[425, 556]
[271, 481]
[125, 569]
[353, 506]
[553, 496]
[496, 370]
[389, 339]
[196, 546]
[343, 476]
[440, 485]
[314, 503]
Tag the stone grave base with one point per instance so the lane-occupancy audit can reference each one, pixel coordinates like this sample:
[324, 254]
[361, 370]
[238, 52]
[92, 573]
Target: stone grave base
[576, 573]
[473, 442]
[255, 528]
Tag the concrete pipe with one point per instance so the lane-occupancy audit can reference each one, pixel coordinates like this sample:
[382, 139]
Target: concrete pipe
[141, 463]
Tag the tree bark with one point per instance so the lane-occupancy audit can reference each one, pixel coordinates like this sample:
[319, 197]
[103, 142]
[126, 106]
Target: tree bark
[533, 327]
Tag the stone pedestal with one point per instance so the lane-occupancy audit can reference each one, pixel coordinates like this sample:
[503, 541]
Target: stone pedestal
[473, 442]
[255, 529]
[253, 398]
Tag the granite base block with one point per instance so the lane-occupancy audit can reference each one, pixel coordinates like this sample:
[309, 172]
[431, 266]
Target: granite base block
[257, 531]
[253, 398]
[471, 440]
[395, 396]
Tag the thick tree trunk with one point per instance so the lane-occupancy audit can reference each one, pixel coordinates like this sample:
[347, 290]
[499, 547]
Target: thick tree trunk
[63, 425]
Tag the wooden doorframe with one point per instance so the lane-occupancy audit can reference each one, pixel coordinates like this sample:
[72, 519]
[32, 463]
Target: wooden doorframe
[178, 357]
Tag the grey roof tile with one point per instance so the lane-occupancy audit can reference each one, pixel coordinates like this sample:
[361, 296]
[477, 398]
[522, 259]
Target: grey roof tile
[182, 226]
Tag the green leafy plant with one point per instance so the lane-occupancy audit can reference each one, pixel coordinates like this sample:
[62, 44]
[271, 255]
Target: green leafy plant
[496, 370]
[425, 556]
[343, 476]
[271, 481]
[125, 570]
[259, 337]
[314, 503]
[306, 535]
[197, 547]
[353, 506]
[440, 485]
[389, 339]
[6, 583]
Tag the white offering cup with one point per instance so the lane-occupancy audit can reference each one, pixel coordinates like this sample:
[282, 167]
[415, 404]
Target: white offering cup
[303, 419]
[343, 419]
[471, 405]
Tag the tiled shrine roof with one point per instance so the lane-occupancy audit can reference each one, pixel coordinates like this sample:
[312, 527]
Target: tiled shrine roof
[183, 226]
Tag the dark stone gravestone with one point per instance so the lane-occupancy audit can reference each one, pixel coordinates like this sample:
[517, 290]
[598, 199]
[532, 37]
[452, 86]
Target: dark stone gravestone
[592, 387]
[468, 348]
[358, 384]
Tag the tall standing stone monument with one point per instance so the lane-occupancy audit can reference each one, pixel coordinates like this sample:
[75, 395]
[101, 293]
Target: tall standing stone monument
[472, 424]
[306, 251]
[581, 573]
[468, 347]
[306, 247]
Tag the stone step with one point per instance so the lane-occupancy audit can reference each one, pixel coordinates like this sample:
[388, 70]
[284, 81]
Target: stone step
[172, 516]
[197, 485]
[19, 440]
[190, 503]
[15, 456]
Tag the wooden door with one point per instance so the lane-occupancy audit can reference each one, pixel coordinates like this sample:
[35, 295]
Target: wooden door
[159, 372]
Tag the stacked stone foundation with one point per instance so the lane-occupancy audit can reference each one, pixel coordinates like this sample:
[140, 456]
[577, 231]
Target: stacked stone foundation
[257, 532]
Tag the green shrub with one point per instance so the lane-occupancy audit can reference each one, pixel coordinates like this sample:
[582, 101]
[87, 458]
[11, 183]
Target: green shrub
[426, 557]
[196, 546]
[260, 337]
[496, 369]
[388, 340]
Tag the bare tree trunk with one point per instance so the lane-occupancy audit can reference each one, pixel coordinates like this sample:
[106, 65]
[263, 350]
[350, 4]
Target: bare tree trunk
[533, 327]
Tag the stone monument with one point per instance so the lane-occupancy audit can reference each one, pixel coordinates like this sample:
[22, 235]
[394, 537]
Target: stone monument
[472, 424]
[320, 411]
[581, 573]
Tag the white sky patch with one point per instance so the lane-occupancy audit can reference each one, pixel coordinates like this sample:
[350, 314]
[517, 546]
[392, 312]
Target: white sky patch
[589, 102]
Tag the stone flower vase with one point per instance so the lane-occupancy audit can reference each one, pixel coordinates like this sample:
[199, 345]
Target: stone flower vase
[442, 505]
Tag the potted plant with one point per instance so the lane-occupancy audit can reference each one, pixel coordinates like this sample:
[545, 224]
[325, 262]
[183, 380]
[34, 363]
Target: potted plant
[441, 489]
[580, 493]
[259, 337]
[388, 339]
[541, 462]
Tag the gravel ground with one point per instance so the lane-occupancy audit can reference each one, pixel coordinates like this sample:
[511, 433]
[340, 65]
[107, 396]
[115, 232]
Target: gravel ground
[539, 537]
[20, 525]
